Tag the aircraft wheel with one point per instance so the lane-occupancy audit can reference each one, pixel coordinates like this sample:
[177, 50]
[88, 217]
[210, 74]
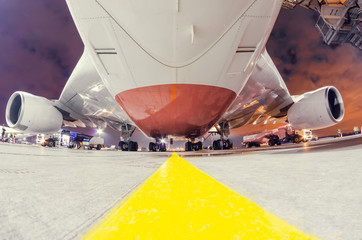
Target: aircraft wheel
[133, 146]
[227, 144]
[198, 146]
[163, 147]
[123, 146]
[152, 147]
[216, 145]
[188, 146]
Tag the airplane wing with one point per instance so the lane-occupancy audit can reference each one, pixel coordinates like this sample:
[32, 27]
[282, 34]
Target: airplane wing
[85, 100]
[264, 96]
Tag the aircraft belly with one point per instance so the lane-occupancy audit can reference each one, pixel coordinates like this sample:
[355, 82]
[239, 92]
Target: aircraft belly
[175, 109]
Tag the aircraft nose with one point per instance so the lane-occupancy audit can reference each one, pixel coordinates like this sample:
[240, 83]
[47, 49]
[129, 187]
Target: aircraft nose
[188, 110]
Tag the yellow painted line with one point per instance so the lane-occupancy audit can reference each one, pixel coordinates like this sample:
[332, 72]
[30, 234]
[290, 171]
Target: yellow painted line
[180, 202]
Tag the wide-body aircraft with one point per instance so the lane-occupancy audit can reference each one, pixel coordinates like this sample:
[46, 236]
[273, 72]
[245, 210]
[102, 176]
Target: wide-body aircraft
[175, 69]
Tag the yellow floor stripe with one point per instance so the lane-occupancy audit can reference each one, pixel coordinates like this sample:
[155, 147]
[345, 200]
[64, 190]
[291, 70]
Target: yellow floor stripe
[180, 202]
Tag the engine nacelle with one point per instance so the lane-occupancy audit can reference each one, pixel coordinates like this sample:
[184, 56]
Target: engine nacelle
[317, 109]
[29, 113]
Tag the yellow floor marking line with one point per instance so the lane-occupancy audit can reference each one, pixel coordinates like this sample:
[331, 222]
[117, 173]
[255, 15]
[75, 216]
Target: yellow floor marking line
[180, 202]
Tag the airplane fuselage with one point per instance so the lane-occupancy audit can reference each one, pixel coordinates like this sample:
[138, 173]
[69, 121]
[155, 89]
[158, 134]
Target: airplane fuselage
[174, 67]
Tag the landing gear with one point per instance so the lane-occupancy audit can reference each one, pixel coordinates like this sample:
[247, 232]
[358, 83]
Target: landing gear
[152, 147]
[132, 146]
[198, 146]
[216, 145]
[128, 146]
[193, 146]
[157, 146]
[223, 129]
[227, 144]
[162, 147]
[222, 144]
[123, 146]
[126, 133]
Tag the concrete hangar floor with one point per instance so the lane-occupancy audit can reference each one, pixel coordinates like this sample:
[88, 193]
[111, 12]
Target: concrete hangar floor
[293, 192]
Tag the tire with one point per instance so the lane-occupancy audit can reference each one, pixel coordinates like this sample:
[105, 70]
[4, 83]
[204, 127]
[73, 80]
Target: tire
[152, 147]
[188, 146]
[199, 146]
[271, 143]
[123, 146]
[132, 146]
[216, 145]
[98, 147]
[227, 144]
[163, 147]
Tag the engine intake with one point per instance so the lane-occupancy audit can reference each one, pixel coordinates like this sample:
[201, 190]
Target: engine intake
[29, 113]
[317, 109]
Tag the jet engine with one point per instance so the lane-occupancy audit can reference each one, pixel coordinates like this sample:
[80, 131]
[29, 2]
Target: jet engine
[317, 109]
[29, 113]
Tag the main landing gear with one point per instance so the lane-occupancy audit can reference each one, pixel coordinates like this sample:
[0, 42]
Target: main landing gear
[193, 146]
[159, 145]
[222, 129]
[222, 144]
[128, 146]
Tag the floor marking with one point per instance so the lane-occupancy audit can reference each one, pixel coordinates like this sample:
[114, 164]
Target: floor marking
[180, 202]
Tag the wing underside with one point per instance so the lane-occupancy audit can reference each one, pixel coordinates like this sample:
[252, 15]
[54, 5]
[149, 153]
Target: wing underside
[86, 102]
[264, 97]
